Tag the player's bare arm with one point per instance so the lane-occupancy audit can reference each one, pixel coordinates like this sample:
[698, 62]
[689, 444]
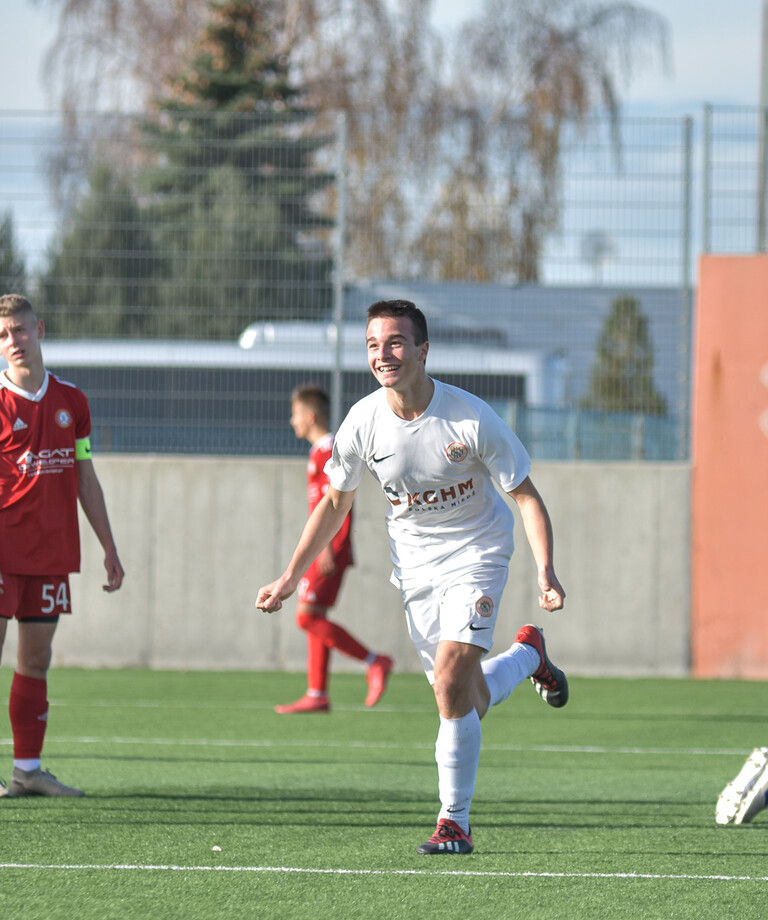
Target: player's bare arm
[321, 527]
[538, 530]
[92, 502]
[326, 561]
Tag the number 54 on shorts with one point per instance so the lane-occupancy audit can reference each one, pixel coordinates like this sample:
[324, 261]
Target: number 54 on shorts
[35, 597]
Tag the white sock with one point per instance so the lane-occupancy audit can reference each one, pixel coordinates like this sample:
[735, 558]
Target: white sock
[28, 764]
[505, 671]
[457, 754]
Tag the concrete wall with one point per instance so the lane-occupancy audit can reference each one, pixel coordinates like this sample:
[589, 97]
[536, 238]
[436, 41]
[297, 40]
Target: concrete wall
[198, 536]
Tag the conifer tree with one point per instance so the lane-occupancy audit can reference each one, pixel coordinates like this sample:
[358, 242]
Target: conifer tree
[13, 271]
[99, 281]
[231, 184]
[622, 376]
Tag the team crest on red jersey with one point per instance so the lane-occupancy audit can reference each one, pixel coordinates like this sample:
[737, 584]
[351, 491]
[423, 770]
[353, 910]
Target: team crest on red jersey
[63, 418]
[456, 451]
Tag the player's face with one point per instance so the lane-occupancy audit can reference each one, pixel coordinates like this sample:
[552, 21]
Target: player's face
[20, 339]
[302, 418]
[393, 355]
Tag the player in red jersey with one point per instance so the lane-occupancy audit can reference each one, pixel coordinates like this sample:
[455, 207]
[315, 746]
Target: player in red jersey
[310, 416]
[45, 468]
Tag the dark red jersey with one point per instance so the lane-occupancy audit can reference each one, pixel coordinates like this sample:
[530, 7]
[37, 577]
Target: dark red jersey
[317, 486]
[39, 532]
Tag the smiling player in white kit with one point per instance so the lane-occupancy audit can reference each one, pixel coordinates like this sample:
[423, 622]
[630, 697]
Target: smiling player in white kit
[436, 451]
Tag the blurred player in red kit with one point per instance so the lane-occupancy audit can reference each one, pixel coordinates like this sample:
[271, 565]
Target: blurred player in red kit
[45, 469]
[319, 588]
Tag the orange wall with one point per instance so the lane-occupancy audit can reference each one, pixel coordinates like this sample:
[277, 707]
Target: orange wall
[730, 470]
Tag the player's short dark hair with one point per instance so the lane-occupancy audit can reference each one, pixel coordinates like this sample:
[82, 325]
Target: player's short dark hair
[402, 308]
[315, 398]
[11, 304]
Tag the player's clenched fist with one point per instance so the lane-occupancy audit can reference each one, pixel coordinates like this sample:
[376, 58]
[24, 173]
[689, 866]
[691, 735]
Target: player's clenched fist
[267, 600]
[553, 595]
[270, 598]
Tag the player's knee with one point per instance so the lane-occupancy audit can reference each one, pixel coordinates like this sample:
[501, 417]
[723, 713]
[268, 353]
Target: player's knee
[452, 695]
[34, 664]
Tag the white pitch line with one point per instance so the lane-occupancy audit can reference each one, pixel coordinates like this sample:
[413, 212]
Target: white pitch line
[624, 876]
[384, 707]
[230, 705]
[394, 746]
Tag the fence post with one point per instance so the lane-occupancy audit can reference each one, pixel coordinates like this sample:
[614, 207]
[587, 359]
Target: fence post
[762, 163]
[686, 297]
[706, 182]
[340, 239]
[762, 192]
[573, 434]
[638, 437]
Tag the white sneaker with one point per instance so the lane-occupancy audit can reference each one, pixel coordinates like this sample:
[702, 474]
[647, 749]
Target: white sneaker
[38, 782]
[3, 788]
[746, 795]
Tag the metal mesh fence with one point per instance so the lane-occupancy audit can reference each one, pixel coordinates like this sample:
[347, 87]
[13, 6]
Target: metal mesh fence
[735, 173]
[191, 272]
[626, 205]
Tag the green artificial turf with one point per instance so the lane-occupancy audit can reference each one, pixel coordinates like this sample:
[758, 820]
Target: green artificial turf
[602, 810]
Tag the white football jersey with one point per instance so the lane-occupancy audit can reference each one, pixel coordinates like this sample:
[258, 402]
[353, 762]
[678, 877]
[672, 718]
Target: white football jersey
[438, 472]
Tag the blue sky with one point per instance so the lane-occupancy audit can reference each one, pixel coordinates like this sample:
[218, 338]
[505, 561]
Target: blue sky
[716, 54]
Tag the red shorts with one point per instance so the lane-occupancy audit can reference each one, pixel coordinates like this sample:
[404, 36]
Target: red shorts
[318, 589]
[34, 597]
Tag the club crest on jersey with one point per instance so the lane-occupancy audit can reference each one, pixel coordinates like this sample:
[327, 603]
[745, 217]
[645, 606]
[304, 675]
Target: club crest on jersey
[484, 606]
[63, 418]
[456, 451]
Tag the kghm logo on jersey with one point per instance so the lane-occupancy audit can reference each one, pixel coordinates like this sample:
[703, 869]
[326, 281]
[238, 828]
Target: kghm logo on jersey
[456, 451]
[484, 606]
[63, 418]
[435, 498]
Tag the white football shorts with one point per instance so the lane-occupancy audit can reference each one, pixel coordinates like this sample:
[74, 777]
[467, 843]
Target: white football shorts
[458, 606]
